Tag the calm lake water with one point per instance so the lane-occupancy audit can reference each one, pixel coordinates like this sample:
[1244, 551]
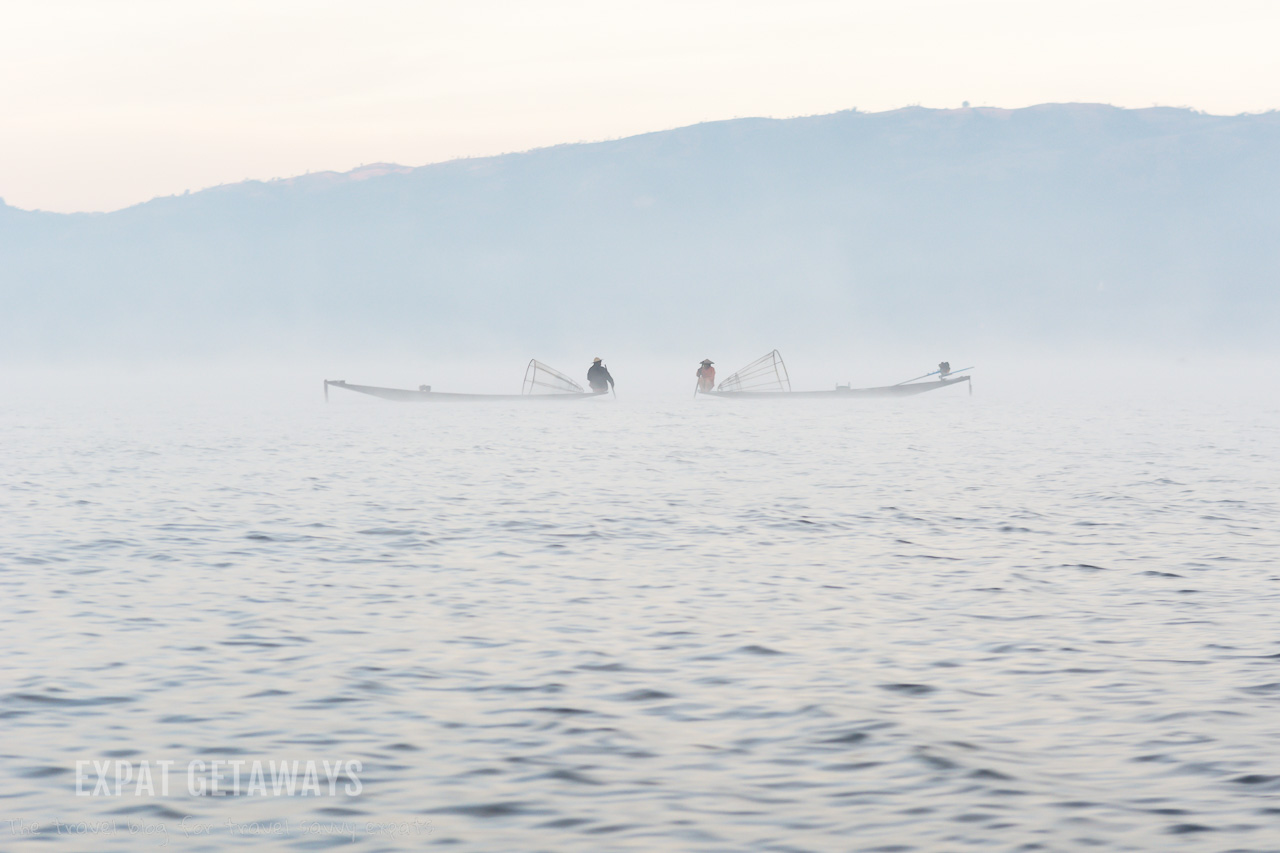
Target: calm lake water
[935, 624]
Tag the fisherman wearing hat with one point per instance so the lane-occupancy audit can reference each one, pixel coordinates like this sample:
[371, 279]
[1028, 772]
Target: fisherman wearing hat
[598, 377]
[706, 376]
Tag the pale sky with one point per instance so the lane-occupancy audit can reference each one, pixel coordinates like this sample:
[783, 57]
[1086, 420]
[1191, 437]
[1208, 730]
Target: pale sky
[107, 103]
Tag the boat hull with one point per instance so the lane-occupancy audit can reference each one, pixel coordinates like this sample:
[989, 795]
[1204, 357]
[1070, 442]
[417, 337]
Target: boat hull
[908, 390]
[405, 395]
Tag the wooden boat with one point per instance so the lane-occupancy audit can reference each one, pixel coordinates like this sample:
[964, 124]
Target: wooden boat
[766, 378]
[905, 390]
[540, 383]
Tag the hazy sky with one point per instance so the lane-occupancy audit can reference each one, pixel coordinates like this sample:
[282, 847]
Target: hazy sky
[105, 103]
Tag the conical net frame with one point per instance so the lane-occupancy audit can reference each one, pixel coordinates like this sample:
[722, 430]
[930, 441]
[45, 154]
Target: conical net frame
[543, 379]
[767, 373]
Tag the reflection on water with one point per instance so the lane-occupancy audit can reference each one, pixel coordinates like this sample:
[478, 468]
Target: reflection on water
[924, 626]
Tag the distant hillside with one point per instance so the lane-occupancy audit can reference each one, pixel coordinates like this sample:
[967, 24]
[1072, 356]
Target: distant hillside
[1069, 224]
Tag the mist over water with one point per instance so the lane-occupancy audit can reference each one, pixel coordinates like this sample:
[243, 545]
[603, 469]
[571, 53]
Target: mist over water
[1040, 615]
[1037, 617]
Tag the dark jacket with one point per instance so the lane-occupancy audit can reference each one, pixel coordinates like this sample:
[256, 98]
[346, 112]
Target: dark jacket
[598, 378]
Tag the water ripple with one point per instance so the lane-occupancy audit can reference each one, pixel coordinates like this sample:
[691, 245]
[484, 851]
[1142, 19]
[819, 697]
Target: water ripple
[895, 628]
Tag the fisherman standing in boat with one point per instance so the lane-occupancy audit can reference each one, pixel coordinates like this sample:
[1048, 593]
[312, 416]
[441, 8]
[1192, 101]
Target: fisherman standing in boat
[598, 377]
[944, 367]
[706, 376]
